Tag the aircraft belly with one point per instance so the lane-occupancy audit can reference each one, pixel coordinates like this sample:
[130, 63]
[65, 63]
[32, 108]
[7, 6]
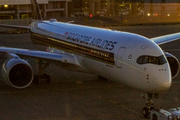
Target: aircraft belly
[99, 68]
[128, 75]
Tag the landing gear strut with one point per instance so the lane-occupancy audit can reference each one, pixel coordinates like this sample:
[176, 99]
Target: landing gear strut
[42, 77]
[149, 104]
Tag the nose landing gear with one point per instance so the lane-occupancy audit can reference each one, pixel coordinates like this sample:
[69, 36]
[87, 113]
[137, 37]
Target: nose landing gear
[149, 104]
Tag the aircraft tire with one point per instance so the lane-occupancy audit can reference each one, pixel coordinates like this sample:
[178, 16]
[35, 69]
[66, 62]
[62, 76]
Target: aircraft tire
[102, 78]
[36, 80]
[146, 113]
[154, 117]
[48, 80]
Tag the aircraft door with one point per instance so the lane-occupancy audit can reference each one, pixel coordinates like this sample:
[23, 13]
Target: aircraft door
[119, 57]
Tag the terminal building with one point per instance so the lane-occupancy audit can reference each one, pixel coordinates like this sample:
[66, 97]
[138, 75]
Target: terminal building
[19, 9]
[162, 7]
[107, 7]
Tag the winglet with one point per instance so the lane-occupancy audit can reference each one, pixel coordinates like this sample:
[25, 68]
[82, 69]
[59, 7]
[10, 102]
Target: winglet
[36, 10]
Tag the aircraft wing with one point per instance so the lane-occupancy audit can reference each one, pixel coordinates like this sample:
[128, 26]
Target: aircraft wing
[166, 38]
[15, 26]
[49, 56]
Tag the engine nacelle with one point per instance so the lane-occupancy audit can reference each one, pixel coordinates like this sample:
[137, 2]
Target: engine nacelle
[174, 64]
[17, 73]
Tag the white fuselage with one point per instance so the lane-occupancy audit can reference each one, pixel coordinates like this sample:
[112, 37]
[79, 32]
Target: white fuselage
[111, 54]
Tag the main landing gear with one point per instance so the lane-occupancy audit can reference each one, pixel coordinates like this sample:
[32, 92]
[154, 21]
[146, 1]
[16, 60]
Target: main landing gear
[149, 104]
[42, 77]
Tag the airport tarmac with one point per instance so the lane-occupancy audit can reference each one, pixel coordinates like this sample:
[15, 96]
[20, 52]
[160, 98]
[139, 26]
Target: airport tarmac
[78, 96]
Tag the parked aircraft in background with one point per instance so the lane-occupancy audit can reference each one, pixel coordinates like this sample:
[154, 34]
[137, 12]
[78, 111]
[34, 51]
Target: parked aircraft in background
[122, 57]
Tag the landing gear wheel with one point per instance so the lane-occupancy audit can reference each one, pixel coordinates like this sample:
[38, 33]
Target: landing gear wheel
[146, 113]
[36, 80]
[46, 78]
[149, 104]
[101, 78]
[48, 81]
[155, 117]
[41, 78]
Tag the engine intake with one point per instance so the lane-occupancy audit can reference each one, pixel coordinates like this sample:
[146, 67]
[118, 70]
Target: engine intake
[174, 64]
[17, 73]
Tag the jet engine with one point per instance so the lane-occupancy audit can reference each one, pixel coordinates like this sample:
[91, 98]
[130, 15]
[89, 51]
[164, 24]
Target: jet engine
[174, 64]
[17, 73]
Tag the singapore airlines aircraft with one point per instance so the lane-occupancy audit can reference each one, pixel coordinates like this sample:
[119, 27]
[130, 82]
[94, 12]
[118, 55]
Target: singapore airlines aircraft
[122, 57]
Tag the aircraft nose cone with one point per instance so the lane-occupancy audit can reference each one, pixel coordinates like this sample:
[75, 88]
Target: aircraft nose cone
[160, 79]
[164, 81]
[160, 85]
[166, 85]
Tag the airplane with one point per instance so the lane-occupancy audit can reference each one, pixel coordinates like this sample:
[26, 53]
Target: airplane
[122, 57]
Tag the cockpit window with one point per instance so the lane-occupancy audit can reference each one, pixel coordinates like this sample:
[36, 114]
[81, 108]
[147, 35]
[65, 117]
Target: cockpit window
[151, 59]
